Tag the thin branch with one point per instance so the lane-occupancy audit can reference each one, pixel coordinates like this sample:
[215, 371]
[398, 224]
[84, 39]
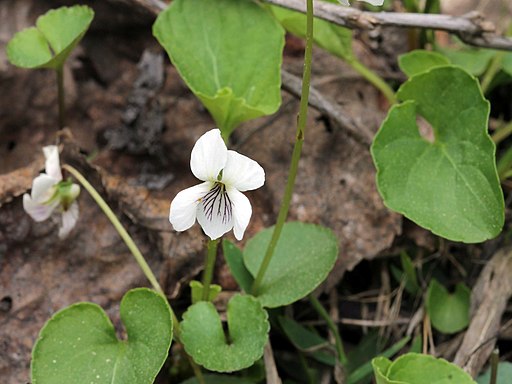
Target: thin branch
[471, 28]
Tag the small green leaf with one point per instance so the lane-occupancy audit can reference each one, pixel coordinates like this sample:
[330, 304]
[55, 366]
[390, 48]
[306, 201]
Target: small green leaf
[49, 44]
[449, 186]
[331, 37]
[504, 374]
[473, 60]
[235, 260]
[408, 274]
[79, 345]
[196, 288]
[229, 52]
[219, 379]
[304, 256]
[449, 313]
[414, 368]
[204, 339]
[420, 60]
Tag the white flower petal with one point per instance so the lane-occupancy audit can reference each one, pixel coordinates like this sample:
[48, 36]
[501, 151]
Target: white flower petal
[242, 173]
[69, 219]
[209, 156]
[215, 213]
[36, 210]
[52, 165]
[242, 211]
[42, 188]
[184, 206]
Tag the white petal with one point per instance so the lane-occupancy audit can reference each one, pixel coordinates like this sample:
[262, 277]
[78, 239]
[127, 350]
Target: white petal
[344, 2]
[209, 156]
[242, 173]
[184, 206]
[36, 210]
[215, 213]
[52, 165]
[69, 219]
[42, 188]
[242, 211]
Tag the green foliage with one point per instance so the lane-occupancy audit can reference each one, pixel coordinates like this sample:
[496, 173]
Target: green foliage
[449, 313]
[229, 52]
[49, 43]
[204, 339]
[473, 60]
[196, 288]
[306, 341]
[331, 37]
[79, 345]
[450, 186]
[303, 257]
[219, 379]
[413, 368]
[504, 374]
[408, 274]
[235, 260]
[419, 60]
[363, 371]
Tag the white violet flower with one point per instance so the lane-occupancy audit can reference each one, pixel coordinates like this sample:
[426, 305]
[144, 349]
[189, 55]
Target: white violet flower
[218, 203]
[50, 192]
[372, 2]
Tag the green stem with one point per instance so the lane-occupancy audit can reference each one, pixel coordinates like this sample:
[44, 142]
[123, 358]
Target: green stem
[492, 70]
[297, 149]
[211, 256]
[60, 95]
[374, 79]
[334, 329]
[118, 226]
[495, 359]
[502, 133]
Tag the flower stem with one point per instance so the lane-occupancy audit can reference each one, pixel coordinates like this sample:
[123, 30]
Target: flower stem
[330, 324]
[60, 95]
[374, 79]
[492, 70]
[502, 133]
[297, 149]
[211, 256]
[118, 226]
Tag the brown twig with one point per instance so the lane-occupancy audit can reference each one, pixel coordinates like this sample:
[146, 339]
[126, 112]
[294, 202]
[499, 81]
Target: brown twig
[488, 302]
[471, 28]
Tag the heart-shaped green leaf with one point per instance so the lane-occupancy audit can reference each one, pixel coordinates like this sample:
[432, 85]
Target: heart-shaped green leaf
[331, 37]
[449, 186]
[419, 60]
[304, 256]
[204, 339]
[449, 313]
[79, 345]
[49, 43]
[414, 368]
[229, 52]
